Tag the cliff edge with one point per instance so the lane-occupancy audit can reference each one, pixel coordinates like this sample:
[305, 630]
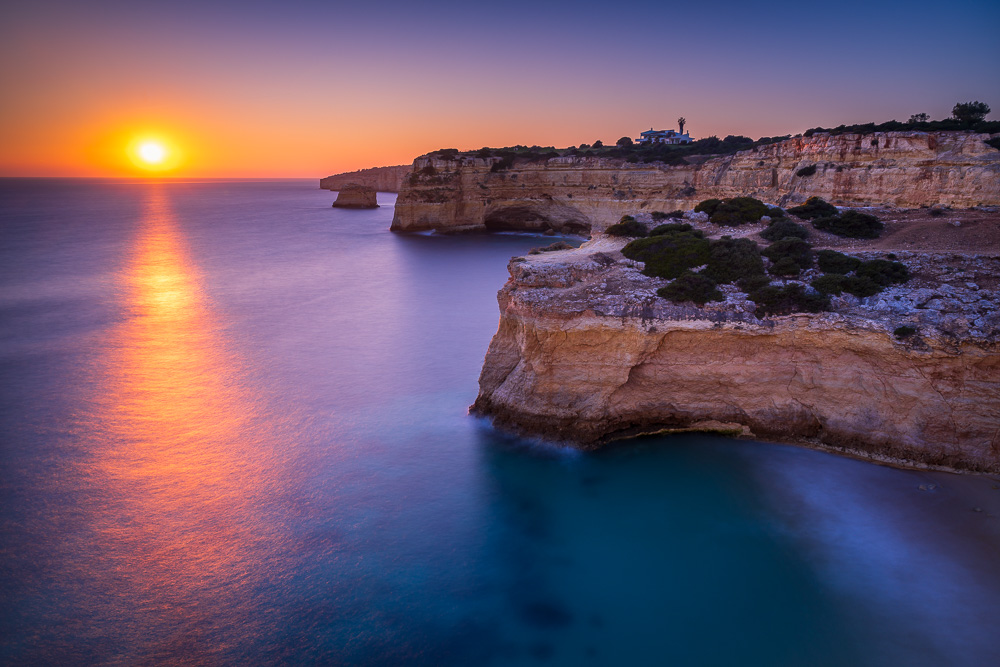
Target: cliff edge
[587, 352]
[579, 194]
[381, 179]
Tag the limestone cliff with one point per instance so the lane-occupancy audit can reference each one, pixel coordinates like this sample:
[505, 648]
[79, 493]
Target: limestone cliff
[382, 179]
[578, 194]
[586, 351]
[353, 195]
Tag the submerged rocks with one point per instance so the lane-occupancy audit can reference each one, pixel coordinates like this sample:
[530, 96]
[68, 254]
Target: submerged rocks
[353, 195]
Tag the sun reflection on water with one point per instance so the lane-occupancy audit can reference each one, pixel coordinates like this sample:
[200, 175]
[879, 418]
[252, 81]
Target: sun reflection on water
[183, 461]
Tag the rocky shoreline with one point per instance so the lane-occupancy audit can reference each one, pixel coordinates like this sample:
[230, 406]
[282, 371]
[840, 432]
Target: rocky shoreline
[586, 352]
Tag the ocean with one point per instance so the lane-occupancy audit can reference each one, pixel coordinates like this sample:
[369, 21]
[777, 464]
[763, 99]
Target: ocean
[235, 431]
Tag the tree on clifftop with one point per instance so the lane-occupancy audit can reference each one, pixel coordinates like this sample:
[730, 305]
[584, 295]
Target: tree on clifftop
[624, 141]
[970, 113]
[919, 118]
[598, 144]
[680, 124]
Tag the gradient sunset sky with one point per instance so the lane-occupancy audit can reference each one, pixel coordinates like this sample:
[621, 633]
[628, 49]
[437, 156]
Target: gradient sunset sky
[274, 89]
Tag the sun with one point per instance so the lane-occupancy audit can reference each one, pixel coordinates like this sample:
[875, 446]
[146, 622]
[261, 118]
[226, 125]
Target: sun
[152, 152]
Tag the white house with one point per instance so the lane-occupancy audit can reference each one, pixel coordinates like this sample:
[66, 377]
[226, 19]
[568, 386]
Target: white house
[663, 137]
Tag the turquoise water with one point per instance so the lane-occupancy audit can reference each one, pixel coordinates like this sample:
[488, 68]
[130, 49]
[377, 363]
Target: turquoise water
[234, 431]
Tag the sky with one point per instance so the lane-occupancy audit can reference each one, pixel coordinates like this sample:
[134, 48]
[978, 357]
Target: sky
[306, 89]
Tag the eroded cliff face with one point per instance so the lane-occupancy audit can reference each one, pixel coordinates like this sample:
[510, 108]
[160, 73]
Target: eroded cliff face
[382, 179]
[576, 195]
[585, 352]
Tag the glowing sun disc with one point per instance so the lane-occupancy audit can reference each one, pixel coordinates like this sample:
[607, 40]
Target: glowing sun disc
[152, 153]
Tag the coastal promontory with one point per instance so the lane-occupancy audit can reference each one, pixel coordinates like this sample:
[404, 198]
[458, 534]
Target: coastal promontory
[354, 195]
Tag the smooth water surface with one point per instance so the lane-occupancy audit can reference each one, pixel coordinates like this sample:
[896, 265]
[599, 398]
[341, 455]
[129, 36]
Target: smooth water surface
[234, 431]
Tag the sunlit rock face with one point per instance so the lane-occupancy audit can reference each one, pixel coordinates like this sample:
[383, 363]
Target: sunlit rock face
[356, 196]
[586, 352]
[382, 179]
[579, 194]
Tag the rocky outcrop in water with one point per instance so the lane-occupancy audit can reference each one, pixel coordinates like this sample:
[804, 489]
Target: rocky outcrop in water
[587, 352]
[580, 194]
[381, 179]
[353, 195]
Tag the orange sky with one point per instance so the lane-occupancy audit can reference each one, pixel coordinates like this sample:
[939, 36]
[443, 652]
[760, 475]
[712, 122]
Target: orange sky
[261, 89]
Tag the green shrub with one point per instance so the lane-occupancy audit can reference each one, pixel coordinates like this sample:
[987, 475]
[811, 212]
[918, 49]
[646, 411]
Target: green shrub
[790, 299]
[627, 226]
[831, 261]
[708, 206]
[669, 255]
[851, 224]
[883, 272]
[806, 171]
[814, 207]
[860, 287]
[732, 259]
[784, 228]
[673, 227]
[753, 283]
[659, 216]
[795, 249]
[785, 267]
[738, 211]
[936, 212]
[831, 283]
[691, 287]
[904, 331]
[775, 212]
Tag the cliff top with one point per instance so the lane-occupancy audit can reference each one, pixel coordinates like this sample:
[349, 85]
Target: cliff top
[953, 294]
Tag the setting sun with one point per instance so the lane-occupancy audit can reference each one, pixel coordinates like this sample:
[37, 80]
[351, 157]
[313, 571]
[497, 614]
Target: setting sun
[152, 152]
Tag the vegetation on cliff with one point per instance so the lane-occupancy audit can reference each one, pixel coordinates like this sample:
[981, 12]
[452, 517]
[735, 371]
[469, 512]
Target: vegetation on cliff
[851, 224]
[965, 116]
[732, 212]
[627, 226]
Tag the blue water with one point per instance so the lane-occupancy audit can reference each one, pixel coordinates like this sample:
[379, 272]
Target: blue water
[234, 431]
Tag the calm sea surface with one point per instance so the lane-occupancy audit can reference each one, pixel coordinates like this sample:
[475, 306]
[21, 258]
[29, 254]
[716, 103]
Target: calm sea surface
[234, 431]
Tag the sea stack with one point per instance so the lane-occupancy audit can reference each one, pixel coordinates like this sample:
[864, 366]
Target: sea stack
[354, 195]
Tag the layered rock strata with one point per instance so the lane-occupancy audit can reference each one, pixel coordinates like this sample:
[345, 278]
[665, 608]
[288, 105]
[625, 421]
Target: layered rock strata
[356, 196]
[381, 179]
[586, 352]
[580, 194]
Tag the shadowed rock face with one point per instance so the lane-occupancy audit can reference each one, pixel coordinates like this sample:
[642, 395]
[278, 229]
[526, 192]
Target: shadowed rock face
[903, 169]
[356, 196]
[540, 217]
[585, 352]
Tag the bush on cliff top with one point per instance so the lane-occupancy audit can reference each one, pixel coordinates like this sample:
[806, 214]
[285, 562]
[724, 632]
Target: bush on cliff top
[784, 228]
[732, 260]
[708, 206]
[692, 287]
[671, 227]
[831, 261]
[883, 272]
[669, 255]
[738, 211]
[627, 226]
[851, 224]
[815, 207]
[794, 249]
[786, 300]
[659, 216]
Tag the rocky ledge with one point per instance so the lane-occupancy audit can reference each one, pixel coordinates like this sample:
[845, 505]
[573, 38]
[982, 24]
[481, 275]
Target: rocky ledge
[587, 352]
[356, 196]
